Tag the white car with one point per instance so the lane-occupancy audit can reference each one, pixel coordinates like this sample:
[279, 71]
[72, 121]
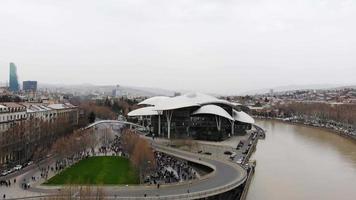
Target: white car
[232, 156]
[5, 172]
[239, 161]
[17, 167]
[29, 163]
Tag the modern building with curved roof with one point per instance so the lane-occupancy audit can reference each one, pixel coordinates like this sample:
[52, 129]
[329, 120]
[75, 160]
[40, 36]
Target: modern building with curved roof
[194, 114]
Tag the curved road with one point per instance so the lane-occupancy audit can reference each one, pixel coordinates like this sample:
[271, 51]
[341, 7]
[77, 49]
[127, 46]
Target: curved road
[225, 176]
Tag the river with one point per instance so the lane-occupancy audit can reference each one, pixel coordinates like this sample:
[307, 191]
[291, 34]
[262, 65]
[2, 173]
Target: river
[299, 162]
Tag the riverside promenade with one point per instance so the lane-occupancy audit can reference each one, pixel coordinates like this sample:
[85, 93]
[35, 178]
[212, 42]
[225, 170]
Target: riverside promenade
[226, 175]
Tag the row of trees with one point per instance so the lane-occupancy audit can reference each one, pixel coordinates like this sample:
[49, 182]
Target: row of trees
[31, 138]
[89, 111]
[103, 109]
[75, 143]
[119, 105]
[140, 152]
[100, 111]
[345, 113]
[138, 149]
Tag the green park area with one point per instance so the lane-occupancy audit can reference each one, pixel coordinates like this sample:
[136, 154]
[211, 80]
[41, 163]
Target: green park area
[102, 170]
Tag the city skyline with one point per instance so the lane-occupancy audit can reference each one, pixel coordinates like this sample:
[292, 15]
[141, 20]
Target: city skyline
[187, 99]
[217, 47]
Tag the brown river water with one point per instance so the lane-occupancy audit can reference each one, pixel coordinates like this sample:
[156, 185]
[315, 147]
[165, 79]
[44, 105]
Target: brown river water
[299, 162]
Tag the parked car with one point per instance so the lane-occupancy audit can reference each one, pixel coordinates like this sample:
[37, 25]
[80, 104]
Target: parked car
[17, 167]
[232, 156]
[5, 172]
[227, 152]
[28, 163]
[239, 161]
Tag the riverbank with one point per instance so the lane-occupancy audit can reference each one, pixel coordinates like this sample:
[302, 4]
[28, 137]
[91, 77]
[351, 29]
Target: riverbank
[304, 163]
[347, 132]
[251, 164]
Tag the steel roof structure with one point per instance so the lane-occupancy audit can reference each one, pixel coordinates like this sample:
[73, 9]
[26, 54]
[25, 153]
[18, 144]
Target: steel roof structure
[202, 103]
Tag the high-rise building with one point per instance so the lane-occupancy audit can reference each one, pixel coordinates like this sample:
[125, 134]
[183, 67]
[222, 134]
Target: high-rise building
[29, 86]
[14, 83]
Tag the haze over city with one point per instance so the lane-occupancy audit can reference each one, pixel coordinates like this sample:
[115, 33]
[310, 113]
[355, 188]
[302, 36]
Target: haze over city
[209, 46]
[183, 100]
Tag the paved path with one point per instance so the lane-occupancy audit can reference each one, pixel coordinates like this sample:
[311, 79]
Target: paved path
[225, 176]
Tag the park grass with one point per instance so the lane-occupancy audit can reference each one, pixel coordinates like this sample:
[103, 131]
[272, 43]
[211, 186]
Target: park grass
[101, 170]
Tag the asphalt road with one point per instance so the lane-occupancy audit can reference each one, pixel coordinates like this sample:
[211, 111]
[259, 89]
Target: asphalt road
[225, 173]
[226, 176]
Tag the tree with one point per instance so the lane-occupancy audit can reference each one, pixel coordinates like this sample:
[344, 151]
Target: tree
[140, 152]
[91, 117]
[143, 158]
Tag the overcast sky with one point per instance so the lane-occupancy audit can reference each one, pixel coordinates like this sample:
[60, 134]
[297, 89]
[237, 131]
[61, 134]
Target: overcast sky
[222, 46]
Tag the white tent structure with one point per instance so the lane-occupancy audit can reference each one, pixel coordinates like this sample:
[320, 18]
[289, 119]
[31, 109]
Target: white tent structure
[202, 103]
[242, 117]
[153, 100]
[214, 110]
[144, 111]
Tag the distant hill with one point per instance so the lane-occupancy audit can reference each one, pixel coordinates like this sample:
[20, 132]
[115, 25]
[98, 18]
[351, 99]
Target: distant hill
[297, 87]
[85, 89]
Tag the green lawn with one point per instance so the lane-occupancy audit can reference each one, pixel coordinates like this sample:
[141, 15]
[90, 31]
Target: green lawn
[102, 170]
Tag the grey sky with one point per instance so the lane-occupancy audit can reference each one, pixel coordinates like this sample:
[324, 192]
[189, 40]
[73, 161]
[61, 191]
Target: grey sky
[224, 46]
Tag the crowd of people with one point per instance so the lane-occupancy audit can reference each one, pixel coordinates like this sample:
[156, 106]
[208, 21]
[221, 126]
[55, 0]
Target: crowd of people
[170, 169]
[114, 147]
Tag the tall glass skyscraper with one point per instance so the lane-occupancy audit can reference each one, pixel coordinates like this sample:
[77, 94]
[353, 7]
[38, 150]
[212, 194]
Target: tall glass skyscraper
[14, 83]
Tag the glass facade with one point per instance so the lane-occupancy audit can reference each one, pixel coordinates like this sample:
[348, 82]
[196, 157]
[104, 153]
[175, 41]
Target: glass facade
[14, 83]
[202, 127]
[29, 86]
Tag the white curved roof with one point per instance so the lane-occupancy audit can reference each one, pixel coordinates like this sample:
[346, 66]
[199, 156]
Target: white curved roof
[143, 112]
[175, 103]
[161, 103]
[153, 100]
[213, 110]
[243, 117]
[186, 100]
[203, 99]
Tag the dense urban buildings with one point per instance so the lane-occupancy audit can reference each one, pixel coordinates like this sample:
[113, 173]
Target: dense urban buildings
[334, 109]
[24, 125]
